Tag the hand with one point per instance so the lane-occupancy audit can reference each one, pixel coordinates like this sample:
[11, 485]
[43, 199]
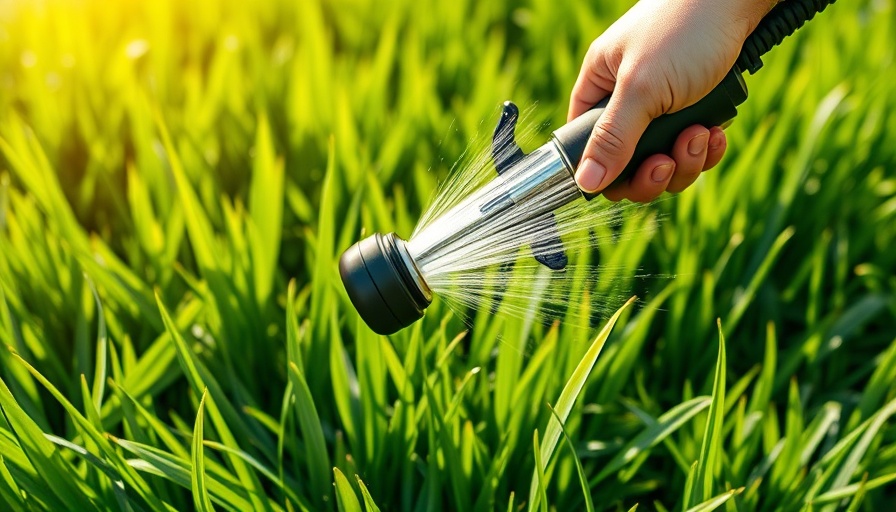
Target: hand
[659, 57]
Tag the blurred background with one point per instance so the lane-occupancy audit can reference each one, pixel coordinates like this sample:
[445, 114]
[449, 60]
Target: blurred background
[187, 161]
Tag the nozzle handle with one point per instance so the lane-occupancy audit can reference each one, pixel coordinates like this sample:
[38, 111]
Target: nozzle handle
[715, 109]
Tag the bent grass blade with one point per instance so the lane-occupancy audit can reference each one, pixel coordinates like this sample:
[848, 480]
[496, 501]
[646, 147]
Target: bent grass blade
[564, 404]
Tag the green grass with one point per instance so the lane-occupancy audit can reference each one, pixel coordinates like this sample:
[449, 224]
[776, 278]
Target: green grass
[178, 179]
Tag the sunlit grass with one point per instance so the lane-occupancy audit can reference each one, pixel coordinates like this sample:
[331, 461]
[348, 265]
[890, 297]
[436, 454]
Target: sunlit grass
[178, 179]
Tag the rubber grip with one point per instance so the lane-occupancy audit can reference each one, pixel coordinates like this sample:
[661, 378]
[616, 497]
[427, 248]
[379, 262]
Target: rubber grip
[715, 109]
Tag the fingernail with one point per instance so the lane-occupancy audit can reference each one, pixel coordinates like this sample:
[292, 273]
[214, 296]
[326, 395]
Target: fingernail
[715, 141]
[697, 145]
[589, 175]
[661, 173]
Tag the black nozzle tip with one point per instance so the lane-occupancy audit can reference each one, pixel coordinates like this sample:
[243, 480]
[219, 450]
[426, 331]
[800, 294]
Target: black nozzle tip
[383, 283]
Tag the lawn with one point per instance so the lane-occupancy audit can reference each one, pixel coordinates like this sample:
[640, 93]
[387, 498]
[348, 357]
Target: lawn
[178, 180]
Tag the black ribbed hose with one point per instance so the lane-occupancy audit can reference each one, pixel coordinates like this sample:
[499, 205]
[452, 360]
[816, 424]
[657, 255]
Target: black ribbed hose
[779, 23]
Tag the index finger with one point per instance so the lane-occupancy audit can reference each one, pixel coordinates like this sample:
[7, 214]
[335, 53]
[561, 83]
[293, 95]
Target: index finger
[593, 84]
[585, 94]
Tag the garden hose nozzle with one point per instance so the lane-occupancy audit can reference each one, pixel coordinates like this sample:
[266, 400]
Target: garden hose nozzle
[382, 273]
[382, 276]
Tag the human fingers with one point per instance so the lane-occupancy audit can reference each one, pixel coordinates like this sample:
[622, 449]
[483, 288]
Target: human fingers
[689, 152]
[614, 137]
[594, 83]
[656, 173]
[647, 183]
[718, 143]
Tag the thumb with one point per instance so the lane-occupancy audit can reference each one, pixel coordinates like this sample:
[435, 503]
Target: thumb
[612, 141]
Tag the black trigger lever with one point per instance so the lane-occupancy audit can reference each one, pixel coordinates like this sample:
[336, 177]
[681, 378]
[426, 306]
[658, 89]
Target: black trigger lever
[548, 247]
[505, 151]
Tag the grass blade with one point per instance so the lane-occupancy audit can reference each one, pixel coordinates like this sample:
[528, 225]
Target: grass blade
[654, 434]
[346, 499]
[714, 503]
[567, 398]
[266, 209]
[10, 492]
[586, 489]
[178, 470]
[539, 480]
[44, 455]
[200, 379]
[102, 347]
[711, 451]
[117, 483]
[850, 490]
[198, 479]
[369, 504]
[316, 457]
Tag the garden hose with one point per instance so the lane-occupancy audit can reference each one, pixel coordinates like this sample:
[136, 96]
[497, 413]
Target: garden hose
[779, 23]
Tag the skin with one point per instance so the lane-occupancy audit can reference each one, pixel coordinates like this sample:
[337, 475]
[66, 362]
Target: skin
[659, 57]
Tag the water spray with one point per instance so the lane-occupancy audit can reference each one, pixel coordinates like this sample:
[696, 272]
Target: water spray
[533, 201]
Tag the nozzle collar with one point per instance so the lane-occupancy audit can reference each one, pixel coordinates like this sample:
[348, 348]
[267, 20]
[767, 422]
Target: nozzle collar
[383, 283]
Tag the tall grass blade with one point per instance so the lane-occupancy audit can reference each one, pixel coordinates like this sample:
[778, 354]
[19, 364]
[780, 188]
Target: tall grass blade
[369, 504]
[198, 479]
[44, 455]
[711, 450]
[583, 479]
[179, 470]
[102, 347]
[10, 492]
[346, 499]
[539, 481]
[316, 458]
[266, 209]
[567, 398]
[200, 380]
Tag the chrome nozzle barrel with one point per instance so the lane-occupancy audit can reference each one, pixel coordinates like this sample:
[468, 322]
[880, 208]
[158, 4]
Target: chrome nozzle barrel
[539, 183]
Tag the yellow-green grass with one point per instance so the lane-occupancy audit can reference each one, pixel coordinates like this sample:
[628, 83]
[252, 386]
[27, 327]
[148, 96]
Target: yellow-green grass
[177, 180]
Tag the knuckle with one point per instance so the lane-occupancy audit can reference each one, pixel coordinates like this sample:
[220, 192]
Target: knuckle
[600, 46]
[641, 86]
[717, 141]
[649, 88]
[593, 56]
[609, 140]
[640, 81]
